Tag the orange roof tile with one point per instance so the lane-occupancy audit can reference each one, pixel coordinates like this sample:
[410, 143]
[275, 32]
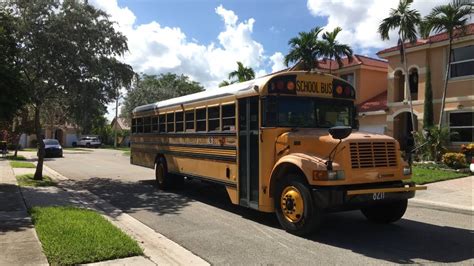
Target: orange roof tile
[376, 103]
[443, 36]
[356, 60]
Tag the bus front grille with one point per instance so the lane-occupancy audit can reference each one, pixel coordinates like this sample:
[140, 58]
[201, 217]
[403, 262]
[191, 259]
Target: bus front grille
[373, 154]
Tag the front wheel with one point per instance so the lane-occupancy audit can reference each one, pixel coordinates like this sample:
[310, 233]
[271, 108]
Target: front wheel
[294, 206]
[386, 212]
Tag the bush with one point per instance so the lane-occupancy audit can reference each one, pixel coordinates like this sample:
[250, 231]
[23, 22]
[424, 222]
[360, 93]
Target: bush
[455, 160]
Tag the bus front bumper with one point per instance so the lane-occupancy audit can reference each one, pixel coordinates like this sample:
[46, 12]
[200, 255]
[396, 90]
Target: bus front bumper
[359, 196]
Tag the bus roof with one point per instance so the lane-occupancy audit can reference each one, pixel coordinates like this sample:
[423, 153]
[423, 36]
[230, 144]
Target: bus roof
[246, 88]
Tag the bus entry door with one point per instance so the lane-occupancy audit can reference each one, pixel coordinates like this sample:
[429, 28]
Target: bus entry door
[248, 152]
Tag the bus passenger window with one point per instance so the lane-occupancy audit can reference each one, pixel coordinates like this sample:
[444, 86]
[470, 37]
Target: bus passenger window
[140, 125]
[162, 123]
[170, 122]
[189, 117]
[201, 119]
[214, 118]
[147, 125]
[154, 124]
[134, 125]
[228, 117]
[179, 122]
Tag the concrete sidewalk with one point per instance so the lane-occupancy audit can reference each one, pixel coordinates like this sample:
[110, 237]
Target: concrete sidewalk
[451, 195]
[19, 244]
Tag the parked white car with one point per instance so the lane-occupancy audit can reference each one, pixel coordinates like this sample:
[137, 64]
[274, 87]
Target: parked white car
[471, 167]
[89, 142]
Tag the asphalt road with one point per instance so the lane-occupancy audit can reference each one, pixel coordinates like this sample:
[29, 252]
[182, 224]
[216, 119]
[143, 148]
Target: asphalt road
[201, 218]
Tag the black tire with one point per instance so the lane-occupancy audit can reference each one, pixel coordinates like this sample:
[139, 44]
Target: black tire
[307, 219]
[88, 145]
[165, 180]
[386, 213]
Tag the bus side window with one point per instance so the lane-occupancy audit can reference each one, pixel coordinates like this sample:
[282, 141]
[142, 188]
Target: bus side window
[228, 117]
[179, 122]
[134, 125]
[201, 119]
[140, 125]
[162, 123]
[147, 124]
[154, 124]
[214, 118]
[189, 117]
[170, 122]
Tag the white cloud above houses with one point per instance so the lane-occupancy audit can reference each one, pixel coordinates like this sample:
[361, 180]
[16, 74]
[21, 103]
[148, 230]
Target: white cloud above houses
[360, 19]
[156, 48]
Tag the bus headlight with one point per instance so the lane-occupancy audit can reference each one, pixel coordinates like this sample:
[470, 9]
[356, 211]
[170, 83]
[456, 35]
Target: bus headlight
[320, 175]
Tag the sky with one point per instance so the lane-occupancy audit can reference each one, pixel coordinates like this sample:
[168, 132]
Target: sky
[204, 39]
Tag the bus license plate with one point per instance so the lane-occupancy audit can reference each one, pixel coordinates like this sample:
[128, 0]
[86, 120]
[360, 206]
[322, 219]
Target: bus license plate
[378, 195]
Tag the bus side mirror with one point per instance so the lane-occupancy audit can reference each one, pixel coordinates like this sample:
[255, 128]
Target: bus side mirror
[340, 132]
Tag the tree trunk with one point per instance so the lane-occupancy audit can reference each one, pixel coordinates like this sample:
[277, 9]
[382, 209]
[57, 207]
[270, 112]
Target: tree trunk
[41, 151]
[17, 140]
[330, 66]
[408, 91]
[443, 99]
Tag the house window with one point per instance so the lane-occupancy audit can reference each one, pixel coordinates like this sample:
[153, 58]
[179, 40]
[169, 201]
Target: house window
[349, 78]
[461, 126]
[462, 61]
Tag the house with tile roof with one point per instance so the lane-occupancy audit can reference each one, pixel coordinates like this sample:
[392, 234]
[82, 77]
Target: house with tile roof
[431, 53]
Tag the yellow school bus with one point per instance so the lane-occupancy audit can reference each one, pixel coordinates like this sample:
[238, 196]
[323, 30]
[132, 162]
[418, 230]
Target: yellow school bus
[286, 143]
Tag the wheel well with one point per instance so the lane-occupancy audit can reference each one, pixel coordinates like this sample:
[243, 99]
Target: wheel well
[161, 156]
[283, 170]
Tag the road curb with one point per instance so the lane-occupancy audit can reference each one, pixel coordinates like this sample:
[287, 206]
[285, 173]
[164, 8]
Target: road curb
[441, 206]
[156, 247]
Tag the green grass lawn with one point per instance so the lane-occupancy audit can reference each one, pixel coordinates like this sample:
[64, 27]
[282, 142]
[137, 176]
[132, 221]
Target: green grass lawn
[71, 236]
[422, 175]
[29, 149]
[28, 181]
[17, 158]
[20, 164]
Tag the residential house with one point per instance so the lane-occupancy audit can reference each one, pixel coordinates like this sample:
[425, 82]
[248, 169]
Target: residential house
[431, 54]
[121, 125]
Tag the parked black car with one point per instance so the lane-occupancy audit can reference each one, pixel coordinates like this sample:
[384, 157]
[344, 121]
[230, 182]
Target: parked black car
[53, 148]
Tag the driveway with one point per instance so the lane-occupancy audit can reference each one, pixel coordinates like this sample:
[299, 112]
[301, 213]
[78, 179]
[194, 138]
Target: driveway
[201, 218]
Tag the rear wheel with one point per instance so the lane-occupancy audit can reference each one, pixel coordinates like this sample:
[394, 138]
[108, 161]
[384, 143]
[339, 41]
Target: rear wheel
[294, 206]
[386, 212]
[88, 145]
[165, 180]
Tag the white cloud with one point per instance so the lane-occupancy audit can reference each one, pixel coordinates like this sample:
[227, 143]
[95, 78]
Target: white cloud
[278, 61]
[360, 19]
[155, 48]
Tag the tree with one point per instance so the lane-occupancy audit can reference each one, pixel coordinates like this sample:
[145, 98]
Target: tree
[334, 50]
[224, 83]
[305, 48]
[14, 94]
[242, 73]
[67, 51]
[428, 120]
[451, 18]
[151, 88]
[407, 21]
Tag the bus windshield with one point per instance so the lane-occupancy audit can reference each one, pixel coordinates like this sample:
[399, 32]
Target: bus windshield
[307, 112]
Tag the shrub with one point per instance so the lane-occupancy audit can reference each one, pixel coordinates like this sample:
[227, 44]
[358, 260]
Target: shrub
[455, 160]
[433, 144]
[468, 149]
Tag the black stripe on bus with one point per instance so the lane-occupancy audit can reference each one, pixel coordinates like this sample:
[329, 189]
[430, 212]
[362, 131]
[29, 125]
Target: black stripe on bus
[208, 179]
[204, 146]
[190, 155]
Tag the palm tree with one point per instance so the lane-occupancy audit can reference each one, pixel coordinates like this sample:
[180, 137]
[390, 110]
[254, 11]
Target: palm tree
[305, 48]
[334, 49]
[224, 83]
[451, 18]
[242, 73]
[406, 20]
